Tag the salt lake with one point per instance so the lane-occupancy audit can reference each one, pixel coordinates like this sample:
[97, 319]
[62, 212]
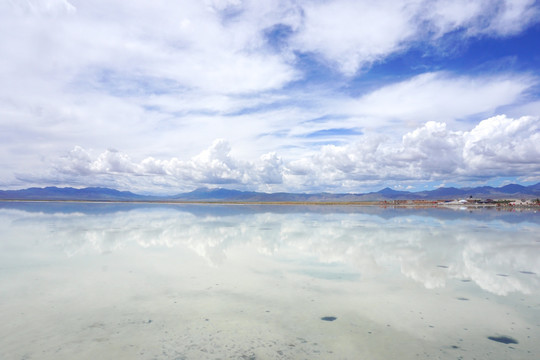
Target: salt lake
[157, 281]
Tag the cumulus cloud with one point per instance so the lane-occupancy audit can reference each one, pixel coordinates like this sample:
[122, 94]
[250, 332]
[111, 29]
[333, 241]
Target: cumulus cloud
[502, 143]
[213, 166]
[497, 146]
[269, 169]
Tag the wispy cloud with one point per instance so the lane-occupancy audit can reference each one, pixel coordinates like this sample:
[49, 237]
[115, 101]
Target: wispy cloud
[444, 96]
[355, 34]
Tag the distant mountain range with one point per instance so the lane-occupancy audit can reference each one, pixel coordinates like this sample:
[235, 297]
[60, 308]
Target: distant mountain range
[512, 191]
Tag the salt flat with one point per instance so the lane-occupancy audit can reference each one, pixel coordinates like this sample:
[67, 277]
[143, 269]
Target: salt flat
[154, 281]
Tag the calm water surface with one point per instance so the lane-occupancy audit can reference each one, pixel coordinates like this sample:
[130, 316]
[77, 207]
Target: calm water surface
[106, 281]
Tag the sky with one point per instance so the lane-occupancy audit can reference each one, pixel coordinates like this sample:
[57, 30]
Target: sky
[164, 96]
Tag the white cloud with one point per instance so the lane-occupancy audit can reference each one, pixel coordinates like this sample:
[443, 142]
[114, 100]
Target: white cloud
[191, 47]
[269, 169]
[442, 96]
[112, 161]
[435, 149]
[514, 16]
[354, 33]
[504, 146]
[163, 78]
[477, 18]
[213, 166]
[447, 15]
[498, 146]
[49, 7]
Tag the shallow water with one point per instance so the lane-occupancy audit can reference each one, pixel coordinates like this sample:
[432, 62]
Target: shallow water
[115, 281]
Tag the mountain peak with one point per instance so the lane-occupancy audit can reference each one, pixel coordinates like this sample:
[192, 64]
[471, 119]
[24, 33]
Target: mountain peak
[221, 194]
[390, 191]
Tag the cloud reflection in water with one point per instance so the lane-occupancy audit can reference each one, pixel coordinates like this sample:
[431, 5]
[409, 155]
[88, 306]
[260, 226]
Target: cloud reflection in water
[499, 256]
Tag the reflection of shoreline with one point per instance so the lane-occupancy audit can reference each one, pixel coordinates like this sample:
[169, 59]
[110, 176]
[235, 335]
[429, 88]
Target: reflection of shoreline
[439, 213]
[383, 203]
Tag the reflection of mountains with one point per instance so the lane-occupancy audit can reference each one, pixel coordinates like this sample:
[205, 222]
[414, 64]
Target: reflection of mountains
[512, 216]
[498, 256]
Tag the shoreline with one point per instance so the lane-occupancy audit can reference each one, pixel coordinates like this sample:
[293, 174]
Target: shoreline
[402, 204]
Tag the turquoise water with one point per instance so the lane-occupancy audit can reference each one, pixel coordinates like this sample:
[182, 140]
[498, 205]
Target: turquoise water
[117, 281]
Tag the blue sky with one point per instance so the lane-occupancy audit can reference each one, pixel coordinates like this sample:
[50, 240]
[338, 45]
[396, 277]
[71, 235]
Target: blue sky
[283, 95]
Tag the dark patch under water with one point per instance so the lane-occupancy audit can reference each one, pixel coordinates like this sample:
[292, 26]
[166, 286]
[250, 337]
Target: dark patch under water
[503, 275]
[328, 318]
[443, 266]
[503, 339]
[463, 298]
[528, 272]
